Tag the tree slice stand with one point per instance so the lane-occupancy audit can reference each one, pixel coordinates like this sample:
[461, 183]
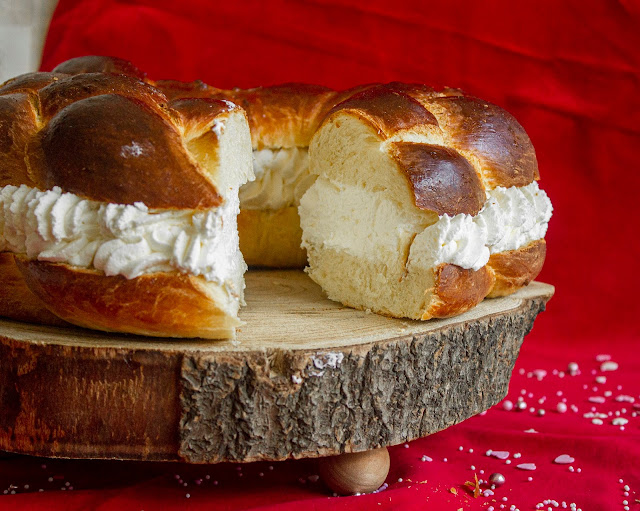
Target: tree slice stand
[306, 378]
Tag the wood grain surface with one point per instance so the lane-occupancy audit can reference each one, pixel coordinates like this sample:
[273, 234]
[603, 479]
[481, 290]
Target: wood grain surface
[306, 378]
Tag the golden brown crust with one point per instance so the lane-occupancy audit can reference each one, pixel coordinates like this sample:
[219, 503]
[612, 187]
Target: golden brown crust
[62, 93]
[279, 116]
[30, 82]
[490, 135]
[284, 115]
[489, 139]
[108, 160]
[16, 299]
[175, 89]
[18, 124]
[514, 269]
[198, 114]
[99, 64]
[441, 179]
[271, 238]
[389, 110]
[158, 304]
[100, 135]
[457, 290]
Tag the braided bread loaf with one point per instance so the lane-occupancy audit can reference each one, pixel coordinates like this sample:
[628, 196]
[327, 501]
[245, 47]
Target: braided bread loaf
[118, 207]
[425, 202]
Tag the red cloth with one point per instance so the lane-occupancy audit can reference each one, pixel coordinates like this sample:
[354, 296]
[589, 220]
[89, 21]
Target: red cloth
[569, 73]
[603, 453]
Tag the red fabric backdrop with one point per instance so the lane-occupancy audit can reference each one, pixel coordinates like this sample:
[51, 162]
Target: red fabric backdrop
[569, 73]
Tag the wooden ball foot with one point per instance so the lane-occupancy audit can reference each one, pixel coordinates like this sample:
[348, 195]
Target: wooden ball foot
[359, 472]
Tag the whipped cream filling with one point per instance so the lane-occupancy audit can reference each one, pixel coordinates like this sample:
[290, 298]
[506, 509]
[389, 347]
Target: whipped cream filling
[282, 177]
[121, 239]
[454, 240]
[363, 222]
[513, 217]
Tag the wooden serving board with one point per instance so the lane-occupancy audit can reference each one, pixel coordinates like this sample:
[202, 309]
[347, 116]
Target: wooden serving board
[305, 378]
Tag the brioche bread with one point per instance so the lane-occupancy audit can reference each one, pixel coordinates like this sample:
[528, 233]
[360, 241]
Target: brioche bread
[413, 203]
[425, 203]
[118, 206]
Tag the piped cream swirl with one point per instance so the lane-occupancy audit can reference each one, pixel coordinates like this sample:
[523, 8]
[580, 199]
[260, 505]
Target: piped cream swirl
[513, 217]
[510, 219]
[454, 240]
[120, 239]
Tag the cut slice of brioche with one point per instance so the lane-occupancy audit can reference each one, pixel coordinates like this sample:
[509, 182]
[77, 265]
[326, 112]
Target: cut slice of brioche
[391, 162]
[113, 139]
